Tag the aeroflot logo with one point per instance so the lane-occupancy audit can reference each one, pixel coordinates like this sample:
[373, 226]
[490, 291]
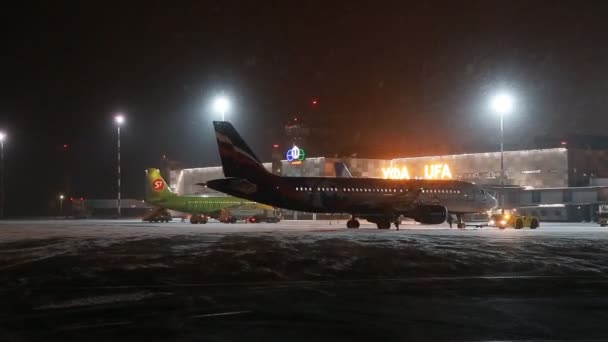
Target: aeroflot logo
[158, 184]
[431, 171]
[295, 154]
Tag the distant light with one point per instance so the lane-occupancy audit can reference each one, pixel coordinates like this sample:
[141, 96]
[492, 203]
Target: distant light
[275, 145]
[61, 197]
[315, 102]
[221, 104]
[295, 119]
[2, 136]
[502, 103]
[65, 146]
[119, 119]
[563, 143]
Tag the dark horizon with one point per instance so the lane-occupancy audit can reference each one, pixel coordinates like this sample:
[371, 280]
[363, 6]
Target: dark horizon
[415, 78]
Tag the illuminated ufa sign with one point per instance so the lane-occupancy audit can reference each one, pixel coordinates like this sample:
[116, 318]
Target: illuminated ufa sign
[431, 171]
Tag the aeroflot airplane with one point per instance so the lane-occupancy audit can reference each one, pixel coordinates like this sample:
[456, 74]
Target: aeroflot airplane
[381, 201]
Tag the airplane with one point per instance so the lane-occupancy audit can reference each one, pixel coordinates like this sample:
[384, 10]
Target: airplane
[380, 201]
[224, 208]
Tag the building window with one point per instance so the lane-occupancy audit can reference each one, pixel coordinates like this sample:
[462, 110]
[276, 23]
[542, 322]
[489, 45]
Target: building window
[535, 196]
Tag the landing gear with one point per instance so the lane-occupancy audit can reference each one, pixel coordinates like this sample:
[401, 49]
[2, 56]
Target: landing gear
[194, 219]
[397, 222]
[460, 220]
[352, 224]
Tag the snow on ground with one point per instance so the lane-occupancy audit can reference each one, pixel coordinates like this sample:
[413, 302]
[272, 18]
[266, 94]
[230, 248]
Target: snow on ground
[301, 249]
[116, 229]
[103, 274]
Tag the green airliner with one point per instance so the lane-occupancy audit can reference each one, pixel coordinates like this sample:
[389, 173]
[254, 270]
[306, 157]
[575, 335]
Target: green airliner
[223, 208]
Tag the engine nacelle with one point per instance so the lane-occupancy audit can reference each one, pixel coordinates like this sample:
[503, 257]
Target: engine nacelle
[430, 214]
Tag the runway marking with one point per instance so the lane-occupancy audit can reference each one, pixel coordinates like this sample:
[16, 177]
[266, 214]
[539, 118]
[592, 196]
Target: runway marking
[222, 314]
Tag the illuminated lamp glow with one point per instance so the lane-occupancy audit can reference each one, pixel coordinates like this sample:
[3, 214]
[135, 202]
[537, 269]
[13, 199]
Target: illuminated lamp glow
[502, 103]
[221, 104]
[2, 136]
[119, 119]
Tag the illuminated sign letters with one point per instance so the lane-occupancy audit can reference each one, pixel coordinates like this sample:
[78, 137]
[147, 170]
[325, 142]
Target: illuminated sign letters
[295, 154]
[395, 173]
[431, 171]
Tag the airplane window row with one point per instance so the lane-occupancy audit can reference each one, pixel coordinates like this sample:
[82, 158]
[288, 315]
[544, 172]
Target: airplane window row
[440, 191]
[212, 202]
[351, 189]
[428, 191]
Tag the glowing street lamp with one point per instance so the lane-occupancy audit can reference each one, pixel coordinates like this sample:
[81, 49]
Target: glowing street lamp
[2, 138]
[221, 105]
[119, 119]
[502, 104]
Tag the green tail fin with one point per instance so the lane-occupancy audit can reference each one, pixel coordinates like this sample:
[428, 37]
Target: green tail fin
[156, 187]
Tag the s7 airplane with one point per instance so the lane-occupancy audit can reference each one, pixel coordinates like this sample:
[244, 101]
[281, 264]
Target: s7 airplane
[380, 201]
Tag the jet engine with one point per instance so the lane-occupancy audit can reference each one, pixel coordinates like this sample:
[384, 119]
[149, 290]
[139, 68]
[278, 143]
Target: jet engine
[430, 214]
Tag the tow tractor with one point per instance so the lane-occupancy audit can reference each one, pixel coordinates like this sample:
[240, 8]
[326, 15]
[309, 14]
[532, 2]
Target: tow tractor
[157, 215]
[511, 219]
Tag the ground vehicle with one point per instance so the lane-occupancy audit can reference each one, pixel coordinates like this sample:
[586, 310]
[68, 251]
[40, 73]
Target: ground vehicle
[252, 213]
[157, 215]
[273, 216]
[512, 219]
[603, 215]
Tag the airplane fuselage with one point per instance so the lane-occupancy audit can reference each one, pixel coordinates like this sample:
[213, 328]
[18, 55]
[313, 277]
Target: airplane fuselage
[364, 196]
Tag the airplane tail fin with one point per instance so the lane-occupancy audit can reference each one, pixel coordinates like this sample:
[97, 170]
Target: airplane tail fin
[238, 160]
[156, 187]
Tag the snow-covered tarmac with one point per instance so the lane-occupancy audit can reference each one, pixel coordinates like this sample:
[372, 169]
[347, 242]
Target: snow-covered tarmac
[113, 229]
[300, 280]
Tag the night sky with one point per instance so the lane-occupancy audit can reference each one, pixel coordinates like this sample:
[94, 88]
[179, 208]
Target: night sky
[411, 78]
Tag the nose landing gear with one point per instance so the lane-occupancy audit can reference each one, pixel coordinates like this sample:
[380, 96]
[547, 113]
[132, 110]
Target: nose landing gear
[459, 218]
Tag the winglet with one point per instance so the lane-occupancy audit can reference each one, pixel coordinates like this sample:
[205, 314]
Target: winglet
[342, 170]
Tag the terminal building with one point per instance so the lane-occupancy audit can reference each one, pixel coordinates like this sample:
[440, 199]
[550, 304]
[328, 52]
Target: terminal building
[556, 184]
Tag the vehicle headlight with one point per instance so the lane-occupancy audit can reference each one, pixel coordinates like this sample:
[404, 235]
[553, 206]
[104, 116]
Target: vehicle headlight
[491, 222]
[503, 223]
